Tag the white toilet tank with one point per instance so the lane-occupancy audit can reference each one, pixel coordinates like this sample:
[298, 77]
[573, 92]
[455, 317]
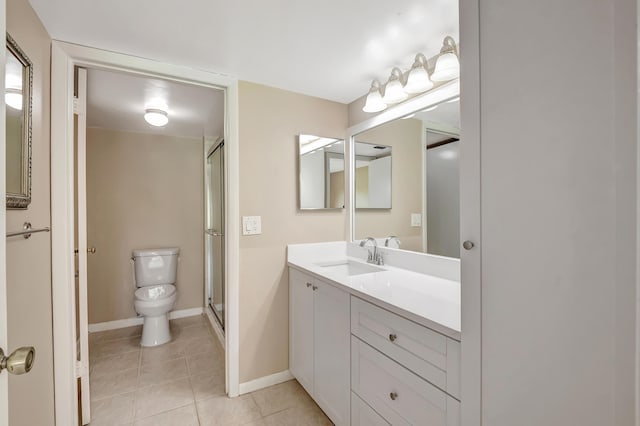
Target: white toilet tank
[155, 266]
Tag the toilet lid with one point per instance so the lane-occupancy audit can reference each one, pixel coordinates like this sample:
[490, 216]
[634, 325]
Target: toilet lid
[155, 292]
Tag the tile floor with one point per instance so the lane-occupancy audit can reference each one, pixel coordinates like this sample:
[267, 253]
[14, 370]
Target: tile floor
[181, 383]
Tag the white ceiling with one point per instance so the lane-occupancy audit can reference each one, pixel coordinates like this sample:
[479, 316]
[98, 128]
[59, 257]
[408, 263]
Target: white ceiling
[331, 48]
[118, 101]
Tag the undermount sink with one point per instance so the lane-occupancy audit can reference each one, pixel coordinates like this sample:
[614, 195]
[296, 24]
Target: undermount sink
[350, 267]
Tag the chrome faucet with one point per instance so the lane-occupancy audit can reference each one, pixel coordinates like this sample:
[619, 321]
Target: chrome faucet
[392, 237]
[373, 257]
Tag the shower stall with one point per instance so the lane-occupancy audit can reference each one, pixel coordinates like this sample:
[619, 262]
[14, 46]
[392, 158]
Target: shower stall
[214, 232]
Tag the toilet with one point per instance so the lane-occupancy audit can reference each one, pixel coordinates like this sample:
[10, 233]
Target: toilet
[155, 276]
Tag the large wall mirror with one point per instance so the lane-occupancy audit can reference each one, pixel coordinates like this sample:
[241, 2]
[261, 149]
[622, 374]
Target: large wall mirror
[321, 172]
[424, 210]
[18, 86]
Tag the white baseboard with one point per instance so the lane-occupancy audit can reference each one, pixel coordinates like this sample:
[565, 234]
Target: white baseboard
[130, 322]
[266, 381]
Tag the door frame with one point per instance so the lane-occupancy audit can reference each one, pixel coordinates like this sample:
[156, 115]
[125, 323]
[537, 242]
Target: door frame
[64, 58]
[4, 380]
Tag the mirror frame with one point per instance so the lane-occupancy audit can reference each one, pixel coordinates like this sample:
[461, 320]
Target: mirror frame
[433, 97]
[23, 199]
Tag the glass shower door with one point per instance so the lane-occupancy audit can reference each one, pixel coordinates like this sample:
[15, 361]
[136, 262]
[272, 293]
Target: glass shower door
[215, 232]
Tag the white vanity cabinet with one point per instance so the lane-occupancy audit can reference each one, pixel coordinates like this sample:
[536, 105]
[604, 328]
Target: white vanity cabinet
[319, 343]
[408, 374]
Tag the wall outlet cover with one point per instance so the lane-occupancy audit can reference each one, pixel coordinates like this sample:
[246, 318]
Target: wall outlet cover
[416, 219]
[251, 225]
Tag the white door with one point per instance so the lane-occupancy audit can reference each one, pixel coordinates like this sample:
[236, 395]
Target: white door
[82, 320]
[4, 382]
[301, 328]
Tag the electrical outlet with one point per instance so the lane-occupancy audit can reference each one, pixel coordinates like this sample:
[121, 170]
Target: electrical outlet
[416, 220]
[251, 225]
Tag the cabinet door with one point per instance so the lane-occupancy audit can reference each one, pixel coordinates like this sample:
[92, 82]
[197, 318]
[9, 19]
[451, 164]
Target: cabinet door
[301, 328]
[332, 352]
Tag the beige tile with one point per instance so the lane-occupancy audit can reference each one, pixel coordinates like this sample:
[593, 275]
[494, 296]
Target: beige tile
[116, 410]
[185, 416]
[259, 422]
[280, 397]
[111, 364]
[226, 411]
[118, 382]
[199, 345]
[162, 353]
[298, 416]
[188, 333]
[160, 398]
[119, 333]
[114, 347]
[207, 386]
[206, 363]
[189, 321]
[156, 373]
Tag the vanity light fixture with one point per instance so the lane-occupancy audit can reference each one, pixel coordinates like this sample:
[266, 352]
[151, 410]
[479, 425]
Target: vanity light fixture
[374, 101]
[418, 80]
[393, 91]
[447, 65]
[156, 117]
[13, 98]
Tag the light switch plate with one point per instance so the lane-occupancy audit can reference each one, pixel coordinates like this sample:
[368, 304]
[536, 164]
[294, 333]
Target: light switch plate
[416, 220]
[251, 225]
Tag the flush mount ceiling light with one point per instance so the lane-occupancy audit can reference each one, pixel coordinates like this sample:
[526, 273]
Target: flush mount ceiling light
[374, 101]
[13, 98]
[447, 66]
[156, 117]
[418, 80]
[393, 91]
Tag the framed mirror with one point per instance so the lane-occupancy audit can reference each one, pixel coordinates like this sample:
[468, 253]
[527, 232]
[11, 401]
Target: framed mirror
[321, 173]
[17, 96]
[424, 202]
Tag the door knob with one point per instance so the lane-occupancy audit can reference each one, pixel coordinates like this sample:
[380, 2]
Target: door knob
[19, 362]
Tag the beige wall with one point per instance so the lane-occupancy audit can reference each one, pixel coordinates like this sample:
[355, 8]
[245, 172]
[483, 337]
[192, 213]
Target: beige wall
[270, 120]
[143, 191]
[29, 261]
[405, 138]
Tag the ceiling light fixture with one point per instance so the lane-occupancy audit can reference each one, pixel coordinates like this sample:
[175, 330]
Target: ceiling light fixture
[156, 117]
[418, 80]
[13, 98]
[447, 66]
[393, 90]
[374, 102]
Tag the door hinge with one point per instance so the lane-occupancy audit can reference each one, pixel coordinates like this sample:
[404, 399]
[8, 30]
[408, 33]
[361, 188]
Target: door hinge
[82, 369]
[78, 106]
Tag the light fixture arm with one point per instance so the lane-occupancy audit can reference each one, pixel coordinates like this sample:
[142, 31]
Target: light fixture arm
[396, 74]
[420, 61]
[449, 46]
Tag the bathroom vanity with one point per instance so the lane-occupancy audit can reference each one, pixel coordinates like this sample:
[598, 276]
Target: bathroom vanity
[376, 345]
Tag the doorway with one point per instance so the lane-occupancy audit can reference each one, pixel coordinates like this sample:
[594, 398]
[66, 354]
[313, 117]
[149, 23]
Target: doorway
[214, 233]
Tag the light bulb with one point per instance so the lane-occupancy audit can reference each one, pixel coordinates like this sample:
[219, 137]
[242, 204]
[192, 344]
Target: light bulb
[374, 102]
[13, 98]
[418, 80]
[393, 91]
[156, 117]
[447, 66]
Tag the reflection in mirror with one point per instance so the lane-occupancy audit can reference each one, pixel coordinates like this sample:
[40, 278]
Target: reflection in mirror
[373, 176]
[424, 213]
[18, 81]
[321, 172]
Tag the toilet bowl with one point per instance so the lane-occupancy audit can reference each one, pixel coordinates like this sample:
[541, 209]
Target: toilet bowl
[155, 275]
[154, 303]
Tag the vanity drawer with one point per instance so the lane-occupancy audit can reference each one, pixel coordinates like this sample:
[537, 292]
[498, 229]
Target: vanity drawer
[363, 415]
[397, 394]
[430, 355]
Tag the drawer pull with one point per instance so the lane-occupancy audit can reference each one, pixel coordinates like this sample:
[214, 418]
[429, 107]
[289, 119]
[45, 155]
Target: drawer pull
[393, 396]
[393, 337]
[308, 285]
[315, 287]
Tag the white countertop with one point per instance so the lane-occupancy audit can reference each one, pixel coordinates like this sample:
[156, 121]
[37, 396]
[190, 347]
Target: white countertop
[426, 299]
